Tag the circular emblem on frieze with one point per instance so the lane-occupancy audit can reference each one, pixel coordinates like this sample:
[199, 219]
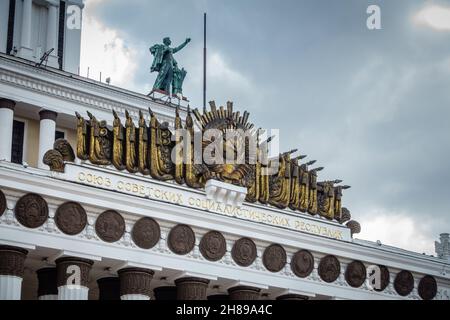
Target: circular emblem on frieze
[302, 263]
[355, 274]
[274, 258]
[71, 218]
[427, 288]
[404, 283]
[146, 233]
[329, 268]
[110, 226]
[2, 203]
[385, 278]
[244, 252]
[181, 239]
[31, 210]
[213, 246]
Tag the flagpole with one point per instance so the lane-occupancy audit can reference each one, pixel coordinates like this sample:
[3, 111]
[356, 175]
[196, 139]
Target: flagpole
[204, 61]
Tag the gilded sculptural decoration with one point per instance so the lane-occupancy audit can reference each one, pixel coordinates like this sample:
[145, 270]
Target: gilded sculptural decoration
[147, 146]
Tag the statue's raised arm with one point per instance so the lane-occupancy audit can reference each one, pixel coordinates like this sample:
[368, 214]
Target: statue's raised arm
[181, 46]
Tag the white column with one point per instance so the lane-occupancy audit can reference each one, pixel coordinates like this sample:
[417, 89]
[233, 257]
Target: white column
[10, 287]
[46, 135]
[73, 292]
[134, 297]
[6, 128]
[12, 261]
[48, 297]
[25, 50]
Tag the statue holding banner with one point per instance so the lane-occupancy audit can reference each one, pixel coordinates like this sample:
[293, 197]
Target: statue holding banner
[165, 64]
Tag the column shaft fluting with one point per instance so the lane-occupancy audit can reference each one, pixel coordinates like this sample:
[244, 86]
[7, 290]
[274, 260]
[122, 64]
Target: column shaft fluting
[46, 135]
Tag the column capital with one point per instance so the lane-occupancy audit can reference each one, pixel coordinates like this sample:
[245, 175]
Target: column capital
[47, 281]
[135, 281]
[191, 288]
[244, 293]
[7, 104]
[109, 288]
[47, 114]
[12, 260]
[63, 263]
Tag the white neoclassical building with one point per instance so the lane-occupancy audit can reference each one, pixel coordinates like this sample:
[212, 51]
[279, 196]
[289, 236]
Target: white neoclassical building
[91, 231]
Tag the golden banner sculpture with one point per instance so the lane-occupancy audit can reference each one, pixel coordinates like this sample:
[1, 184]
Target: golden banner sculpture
[151, 150]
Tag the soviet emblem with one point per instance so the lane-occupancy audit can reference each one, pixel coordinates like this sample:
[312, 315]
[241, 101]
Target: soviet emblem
[146, 233]
[355, 274]
[274, 258]
[244, 252]
[181, 239]
[427, 288]
[2, 203]
[404, 283]
[213, 246]
[31, 210]
[110, 226]
[302, 263]
[71, 218]
[329, 268]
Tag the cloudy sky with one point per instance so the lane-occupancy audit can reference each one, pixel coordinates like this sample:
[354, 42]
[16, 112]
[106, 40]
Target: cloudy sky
[372, 106]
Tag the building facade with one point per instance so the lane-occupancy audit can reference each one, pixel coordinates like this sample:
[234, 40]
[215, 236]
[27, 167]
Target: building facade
[79, 229]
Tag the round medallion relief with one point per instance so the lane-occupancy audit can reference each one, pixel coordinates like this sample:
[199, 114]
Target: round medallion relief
[274, 258]
[2, 203]
[244, 252]
[427, 288]
[385, 278]
[110, 226]
[404, 283]
[71, 218]
[355, 274]
[329, 268]
[213, 246]
[302, 263]
[146, 233]
[181, 239]
[31, 210]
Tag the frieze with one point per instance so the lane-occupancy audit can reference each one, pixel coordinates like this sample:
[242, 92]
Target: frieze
[213, 246]
[427, 288]
[274, 258]
[329, 268]
[71, 218]
[244, 252]
[404, 283]
[355, 274]
[302, 263]
[31, 210]
[146, 233]
[110, 226]
[181, 239]
[145, 188]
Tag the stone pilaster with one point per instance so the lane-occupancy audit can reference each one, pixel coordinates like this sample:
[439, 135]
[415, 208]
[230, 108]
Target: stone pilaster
[73, 277]
[135, 283]
[244, 293]
[47, 289]
[6, 128]
[165, 293]
[109, 288]
[12, 261]
[47, 130]
[191, 288]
